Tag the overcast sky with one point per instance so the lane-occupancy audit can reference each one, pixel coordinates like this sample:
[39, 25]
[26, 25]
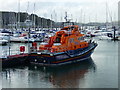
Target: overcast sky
[78, 10]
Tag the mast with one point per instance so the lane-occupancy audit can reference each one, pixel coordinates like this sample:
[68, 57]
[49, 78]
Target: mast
[19, 14]
[61, 20]
[28, 27]
[114, 37]
[27, 7]
[1, 21]
[71, 17]
[34, 18]
[106, 16]
[89, 22]
[66, 16]
[96, 26]
[61, 17]
[55, 17]
[51, 22]
[84, 18]
[81, 20]
[9, 44]
[96, 18]
[110, 14]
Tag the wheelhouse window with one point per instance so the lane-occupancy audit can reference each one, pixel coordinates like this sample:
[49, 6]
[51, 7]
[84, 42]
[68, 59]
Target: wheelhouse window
[71, 40]
[81, 38]
[58, 39]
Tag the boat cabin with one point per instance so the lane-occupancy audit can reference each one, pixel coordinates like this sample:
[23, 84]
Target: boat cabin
[68, 38]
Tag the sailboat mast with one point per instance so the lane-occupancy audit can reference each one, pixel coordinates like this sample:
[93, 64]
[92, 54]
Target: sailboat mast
[34, 18]
[89, 22]
[27, 7]
[81, 19]
[51, 22]
[106, 16]
[18, 14]
[110, 14]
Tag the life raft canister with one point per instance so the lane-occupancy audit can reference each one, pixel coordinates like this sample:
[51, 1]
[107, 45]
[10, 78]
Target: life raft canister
[34, 45]
[22, 48]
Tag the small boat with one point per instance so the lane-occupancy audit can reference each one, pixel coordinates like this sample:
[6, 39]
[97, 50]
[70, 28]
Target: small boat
[21, 39]
[13, 58]
[67, 46]
[3, 42]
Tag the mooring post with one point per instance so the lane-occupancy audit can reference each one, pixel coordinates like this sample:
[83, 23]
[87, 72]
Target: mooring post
[114, 38]
[28, 41]
[9, 44]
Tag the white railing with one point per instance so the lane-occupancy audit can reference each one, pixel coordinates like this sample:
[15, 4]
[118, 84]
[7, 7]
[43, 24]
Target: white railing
[48, 49]
[6, 53]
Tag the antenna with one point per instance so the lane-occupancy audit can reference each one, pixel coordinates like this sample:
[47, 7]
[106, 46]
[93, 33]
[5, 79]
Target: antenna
[66, 16]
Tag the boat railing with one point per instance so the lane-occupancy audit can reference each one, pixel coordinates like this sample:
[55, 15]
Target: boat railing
[49, 50]
[7, 53]
[45, 50]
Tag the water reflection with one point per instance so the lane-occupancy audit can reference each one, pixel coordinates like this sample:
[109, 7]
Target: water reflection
[31, 76]
[67, 76]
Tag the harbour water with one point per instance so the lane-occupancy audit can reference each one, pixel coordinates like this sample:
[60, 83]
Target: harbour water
[100, 71]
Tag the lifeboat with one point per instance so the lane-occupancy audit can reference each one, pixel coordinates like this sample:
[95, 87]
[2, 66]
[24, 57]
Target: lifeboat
[67, 46]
